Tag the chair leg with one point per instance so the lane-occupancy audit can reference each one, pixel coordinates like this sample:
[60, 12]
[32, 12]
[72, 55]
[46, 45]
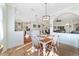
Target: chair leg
[38, 52]
[55, 48]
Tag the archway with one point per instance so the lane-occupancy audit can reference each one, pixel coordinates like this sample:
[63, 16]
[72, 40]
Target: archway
[65, 22]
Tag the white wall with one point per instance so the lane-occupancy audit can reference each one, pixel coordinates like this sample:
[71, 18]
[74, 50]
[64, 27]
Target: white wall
[1, 24]
[14, 38]
[4, 40]
[11, 38]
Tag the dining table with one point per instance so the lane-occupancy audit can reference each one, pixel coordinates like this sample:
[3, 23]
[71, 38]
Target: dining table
[45, 40]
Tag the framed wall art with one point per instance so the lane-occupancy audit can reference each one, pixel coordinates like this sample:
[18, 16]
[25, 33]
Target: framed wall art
[18, 26]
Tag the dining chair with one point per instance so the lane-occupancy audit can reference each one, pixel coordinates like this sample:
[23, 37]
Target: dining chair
[36, 44]
[53, 46]
[55, 43]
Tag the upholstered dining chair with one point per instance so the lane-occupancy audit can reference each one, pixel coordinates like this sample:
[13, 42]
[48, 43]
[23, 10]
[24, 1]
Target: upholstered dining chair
[36, 43]
[55, 43]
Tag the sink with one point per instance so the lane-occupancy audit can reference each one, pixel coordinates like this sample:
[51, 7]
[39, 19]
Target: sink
[1, 48]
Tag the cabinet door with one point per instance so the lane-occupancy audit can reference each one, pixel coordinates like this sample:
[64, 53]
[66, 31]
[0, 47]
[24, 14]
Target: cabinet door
[63, 38]
[78, 43]
[73, 40]
[69, 39]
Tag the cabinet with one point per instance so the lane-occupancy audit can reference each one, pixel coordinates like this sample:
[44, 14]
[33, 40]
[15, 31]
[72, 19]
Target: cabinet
[69, 39]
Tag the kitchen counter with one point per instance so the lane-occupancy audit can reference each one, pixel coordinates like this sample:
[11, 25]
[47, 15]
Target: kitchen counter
[68, 38]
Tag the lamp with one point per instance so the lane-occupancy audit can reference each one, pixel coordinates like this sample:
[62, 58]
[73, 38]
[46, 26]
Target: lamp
[46, 17]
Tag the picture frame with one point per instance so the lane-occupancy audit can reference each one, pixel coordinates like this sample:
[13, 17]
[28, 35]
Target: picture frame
[34, 25]
[39, 26]
[18, 26]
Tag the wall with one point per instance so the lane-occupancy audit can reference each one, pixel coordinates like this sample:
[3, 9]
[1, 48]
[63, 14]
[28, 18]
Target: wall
[1, 24]
[10, 37]
[14, 38]
[4, 40]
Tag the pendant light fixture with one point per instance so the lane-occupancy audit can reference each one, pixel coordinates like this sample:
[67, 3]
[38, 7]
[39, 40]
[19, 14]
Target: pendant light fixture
[46, 17]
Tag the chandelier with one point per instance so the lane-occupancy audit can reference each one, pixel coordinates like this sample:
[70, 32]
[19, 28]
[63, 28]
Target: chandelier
[46, 17]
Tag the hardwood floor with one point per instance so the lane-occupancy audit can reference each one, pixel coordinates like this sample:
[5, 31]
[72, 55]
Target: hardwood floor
[63, 50]
[66, 50]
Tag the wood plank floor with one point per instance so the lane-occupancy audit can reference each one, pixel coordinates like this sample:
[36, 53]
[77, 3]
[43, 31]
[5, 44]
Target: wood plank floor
[66, 50]
[62, 50]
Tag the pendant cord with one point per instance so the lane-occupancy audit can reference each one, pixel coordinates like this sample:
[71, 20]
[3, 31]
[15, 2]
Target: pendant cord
[45, 8]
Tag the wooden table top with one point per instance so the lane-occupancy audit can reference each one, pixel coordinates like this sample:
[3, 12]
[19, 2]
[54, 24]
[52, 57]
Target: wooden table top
[46, 39]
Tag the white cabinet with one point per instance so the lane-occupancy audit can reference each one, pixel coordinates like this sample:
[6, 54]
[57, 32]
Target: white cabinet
[63, 39]
[73, 40]
[69, 39]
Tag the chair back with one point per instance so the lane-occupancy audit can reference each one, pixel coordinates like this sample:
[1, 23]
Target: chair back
[35, 37]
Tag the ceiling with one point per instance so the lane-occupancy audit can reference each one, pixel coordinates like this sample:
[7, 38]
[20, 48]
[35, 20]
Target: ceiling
[33, 11]
[68, 16]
